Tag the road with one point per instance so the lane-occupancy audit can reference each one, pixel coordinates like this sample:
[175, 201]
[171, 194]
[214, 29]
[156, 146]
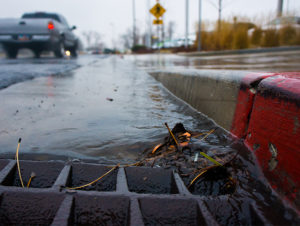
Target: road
[103, 107]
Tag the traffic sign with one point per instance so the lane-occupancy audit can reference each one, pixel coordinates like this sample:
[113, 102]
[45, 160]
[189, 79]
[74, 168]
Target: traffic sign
[157, 21]
[157, 10]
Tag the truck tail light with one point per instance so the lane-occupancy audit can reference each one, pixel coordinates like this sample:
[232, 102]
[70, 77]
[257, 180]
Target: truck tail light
[50, 25]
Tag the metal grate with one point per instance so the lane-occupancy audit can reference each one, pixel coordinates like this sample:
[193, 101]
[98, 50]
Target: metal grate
[130, 196]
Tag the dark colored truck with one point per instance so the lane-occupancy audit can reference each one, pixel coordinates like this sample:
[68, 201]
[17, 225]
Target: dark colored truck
[39, 32]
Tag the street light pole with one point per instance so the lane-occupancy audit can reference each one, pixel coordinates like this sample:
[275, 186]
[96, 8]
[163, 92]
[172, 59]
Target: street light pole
[186, 23]
[279, 8]
[220, 15]
[199, 27]
[149, 26]
[134, 27]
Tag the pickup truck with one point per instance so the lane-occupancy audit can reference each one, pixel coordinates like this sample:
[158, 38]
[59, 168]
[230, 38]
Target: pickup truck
[39, 32]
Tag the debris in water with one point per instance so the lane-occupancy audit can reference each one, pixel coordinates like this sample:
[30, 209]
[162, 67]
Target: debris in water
[180, 151]
[109, 99]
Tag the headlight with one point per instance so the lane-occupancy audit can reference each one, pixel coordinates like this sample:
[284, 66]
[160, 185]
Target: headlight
[5, 37]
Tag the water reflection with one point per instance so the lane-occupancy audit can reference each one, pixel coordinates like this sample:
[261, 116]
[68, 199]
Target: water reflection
[280, 61]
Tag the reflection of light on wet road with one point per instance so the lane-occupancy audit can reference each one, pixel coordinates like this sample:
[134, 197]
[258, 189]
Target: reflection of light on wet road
[50, 86]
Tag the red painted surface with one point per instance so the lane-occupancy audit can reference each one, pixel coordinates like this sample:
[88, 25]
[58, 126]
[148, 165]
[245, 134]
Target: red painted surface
[275, 121]
[245, 103]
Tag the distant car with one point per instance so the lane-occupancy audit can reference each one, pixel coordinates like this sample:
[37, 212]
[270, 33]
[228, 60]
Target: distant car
[38, 31]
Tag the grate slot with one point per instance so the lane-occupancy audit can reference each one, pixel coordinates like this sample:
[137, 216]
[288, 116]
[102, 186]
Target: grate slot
[101, 210]
[46, 174]
[40, 208]
[225, 210]
[151, 180]
[163, 211]
[82, 174]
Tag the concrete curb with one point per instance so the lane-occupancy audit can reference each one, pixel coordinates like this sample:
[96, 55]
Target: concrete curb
[211, 92]
[261, 108]
[242, 51]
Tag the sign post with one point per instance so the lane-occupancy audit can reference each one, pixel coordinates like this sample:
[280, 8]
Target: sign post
[157, 11]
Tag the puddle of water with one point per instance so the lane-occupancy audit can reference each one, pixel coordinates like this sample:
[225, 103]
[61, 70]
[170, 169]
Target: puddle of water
[69, 114]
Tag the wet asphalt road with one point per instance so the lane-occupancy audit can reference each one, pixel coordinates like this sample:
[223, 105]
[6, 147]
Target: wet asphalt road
[103, 107]
[260, 62]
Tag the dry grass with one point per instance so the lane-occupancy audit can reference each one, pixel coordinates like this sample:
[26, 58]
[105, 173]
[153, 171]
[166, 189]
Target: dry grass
[236, 35]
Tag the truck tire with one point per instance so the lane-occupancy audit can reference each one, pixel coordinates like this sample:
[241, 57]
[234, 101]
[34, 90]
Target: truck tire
[73, 51]
[59, 51]
[11, 52]
[37, 53]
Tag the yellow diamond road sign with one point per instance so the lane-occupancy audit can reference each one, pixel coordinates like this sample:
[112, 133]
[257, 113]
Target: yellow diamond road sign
[157, 10]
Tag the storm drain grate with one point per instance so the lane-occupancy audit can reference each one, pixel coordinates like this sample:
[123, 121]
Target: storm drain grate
[130, 196]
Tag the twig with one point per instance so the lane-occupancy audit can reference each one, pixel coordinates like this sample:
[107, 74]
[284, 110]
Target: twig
[210, 132]
[99, 178]
[204, 170]
[199, 175]
[30, 179]
[133, 164]
[210, 159]
[18, 164]
[166, 124]
[156, 148]
[198, 135]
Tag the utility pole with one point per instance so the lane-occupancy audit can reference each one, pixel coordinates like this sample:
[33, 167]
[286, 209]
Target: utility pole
[199, 27]
[220, 15]
[186, 23]
[134, 26]
[149, 26]
[279, 8]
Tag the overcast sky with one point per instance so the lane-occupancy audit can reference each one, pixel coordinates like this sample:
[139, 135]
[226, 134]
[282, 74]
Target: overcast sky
[112, 17]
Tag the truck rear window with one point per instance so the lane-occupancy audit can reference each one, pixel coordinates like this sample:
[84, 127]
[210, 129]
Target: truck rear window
[41, 16]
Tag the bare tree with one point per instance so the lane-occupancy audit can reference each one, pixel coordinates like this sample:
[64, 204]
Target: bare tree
[96, 39]
[220, 5]
[93, 39]
[127, 38]
[88, 37]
